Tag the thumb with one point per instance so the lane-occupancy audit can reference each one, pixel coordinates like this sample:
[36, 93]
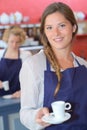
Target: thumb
[45, 110]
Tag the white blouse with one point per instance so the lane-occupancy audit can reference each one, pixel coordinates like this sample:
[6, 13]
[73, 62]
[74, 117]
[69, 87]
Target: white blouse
[32, 87]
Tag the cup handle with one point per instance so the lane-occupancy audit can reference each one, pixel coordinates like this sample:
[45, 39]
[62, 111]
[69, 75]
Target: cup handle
[67, 106]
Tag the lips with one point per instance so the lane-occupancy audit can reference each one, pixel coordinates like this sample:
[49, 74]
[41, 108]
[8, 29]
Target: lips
[58, 39]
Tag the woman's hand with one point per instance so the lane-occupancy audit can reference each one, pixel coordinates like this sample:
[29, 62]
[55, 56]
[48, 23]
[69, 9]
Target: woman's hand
[16, 94]
[40, 114]
[1, 86]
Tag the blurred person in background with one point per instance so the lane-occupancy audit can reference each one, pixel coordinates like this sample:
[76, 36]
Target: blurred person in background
[11, 59]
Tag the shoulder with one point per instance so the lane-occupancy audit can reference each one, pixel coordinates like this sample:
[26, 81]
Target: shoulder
[80, 60]
[36, 58]
[36, 61]
[40, 56]
[34, 67]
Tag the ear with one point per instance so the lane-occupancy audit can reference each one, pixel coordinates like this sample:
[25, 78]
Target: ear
[74, 28]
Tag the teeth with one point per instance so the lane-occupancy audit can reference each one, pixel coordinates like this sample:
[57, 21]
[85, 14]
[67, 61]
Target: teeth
[58, 39]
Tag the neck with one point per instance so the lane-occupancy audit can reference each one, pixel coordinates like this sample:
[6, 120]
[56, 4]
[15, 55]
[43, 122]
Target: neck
[64, 59]
[11, 53]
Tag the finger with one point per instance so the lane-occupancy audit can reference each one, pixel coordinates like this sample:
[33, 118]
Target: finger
[42, 123]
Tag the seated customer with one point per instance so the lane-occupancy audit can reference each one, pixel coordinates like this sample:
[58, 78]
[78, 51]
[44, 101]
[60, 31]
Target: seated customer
[11, 60]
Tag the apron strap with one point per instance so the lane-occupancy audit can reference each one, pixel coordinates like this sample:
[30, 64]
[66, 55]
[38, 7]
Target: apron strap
[77, 62]
[6, 50]
[18, 53]
[4, 53]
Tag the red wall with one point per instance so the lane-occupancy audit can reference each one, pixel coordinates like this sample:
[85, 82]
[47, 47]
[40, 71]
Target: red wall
[34, 8]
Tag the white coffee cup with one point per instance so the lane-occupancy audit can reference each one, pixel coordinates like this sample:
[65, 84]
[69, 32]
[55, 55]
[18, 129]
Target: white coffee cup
[5, 85]
[59, 108]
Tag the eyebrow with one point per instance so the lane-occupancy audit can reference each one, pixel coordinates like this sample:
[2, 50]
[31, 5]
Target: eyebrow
[63, 22]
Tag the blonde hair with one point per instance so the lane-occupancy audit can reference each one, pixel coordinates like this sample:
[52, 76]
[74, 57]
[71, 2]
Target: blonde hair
[15, 30]
[68, 14]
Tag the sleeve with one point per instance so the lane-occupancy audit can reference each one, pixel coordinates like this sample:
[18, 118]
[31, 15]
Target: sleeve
[29, 97]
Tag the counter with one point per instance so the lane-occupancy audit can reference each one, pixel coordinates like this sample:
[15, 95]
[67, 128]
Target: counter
[33, 49]
[9, 114]
[30, 48]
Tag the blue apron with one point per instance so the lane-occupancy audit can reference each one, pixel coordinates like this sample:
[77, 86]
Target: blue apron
[74, 90]
[9, 70]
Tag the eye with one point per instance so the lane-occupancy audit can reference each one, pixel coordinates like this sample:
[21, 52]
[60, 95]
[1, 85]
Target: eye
[48, 27]
[61, 26]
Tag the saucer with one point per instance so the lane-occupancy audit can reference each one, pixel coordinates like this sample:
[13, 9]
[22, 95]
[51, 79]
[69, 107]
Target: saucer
[7, 96]
[52, 120]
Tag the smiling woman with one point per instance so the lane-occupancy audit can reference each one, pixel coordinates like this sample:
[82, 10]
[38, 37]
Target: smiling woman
[11, 60]
[53, 74]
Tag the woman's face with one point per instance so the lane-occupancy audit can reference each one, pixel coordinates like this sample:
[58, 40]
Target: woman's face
[13, 41]
[58, 31]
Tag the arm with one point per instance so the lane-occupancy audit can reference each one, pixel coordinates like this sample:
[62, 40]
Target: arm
[16, 94]
[31, 98]
[1, 54]
[1, 84]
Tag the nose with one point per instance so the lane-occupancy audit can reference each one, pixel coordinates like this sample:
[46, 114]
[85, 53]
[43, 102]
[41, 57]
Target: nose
[56, 31]
[14, 44]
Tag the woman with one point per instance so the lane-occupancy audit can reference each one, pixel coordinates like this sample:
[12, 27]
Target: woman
[11, 60]
[54, 74]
